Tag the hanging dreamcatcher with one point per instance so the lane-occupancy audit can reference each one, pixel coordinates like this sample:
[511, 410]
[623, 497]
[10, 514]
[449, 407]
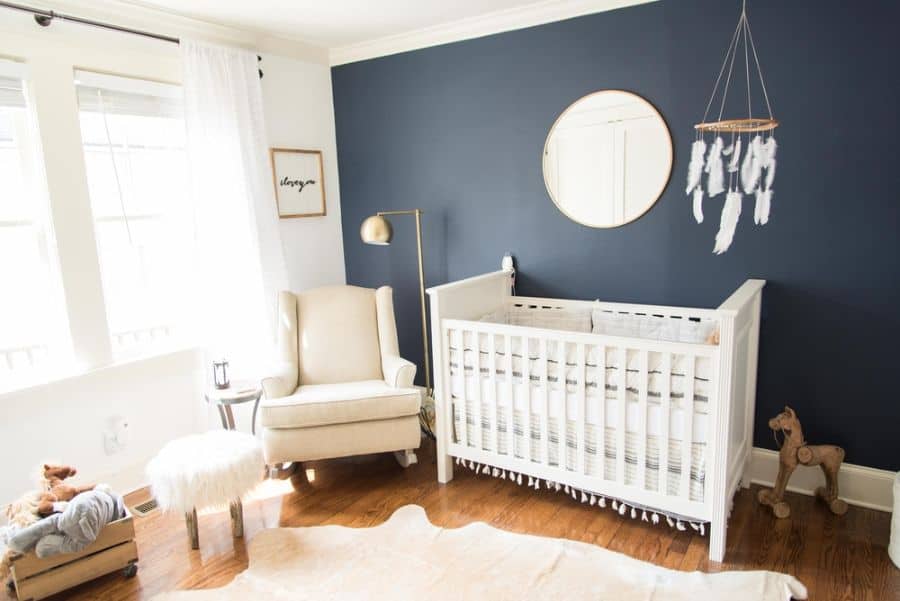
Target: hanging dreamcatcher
[718, 155]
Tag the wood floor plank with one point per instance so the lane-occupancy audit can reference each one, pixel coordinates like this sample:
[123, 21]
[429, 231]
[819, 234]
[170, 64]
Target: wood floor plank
[836, 557]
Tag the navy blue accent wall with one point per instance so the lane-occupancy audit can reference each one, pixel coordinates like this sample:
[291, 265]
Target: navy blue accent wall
[458, 130]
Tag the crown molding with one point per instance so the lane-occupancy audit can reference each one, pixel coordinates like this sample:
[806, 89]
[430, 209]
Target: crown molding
[476, 27]
[139, 16]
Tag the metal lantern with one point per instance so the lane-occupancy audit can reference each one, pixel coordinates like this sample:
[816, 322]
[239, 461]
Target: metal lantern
[220, 374]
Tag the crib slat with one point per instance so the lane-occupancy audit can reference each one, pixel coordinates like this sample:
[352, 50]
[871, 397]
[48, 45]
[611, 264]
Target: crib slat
[526, 381]
[643, 384]
[510, 403]
[581, 402]
[492, 380]
[446, 392]
[476, 395]
[544, 366]
[601, 413]
[687, 406]
[665, 420]
[623, 414]
[464, 396]
[562, 443]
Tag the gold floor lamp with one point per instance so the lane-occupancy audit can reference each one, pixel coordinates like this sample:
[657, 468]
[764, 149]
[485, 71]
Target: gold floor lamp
[378, 230]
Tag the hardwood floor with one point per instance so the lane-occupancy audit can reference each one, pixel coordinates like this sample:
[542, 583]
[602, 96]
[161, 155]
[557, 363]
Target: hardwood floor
[835, 557]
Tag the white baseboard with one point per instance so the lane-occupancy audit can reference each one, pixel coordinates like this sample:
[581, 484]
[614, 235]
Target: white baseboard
[859, 485]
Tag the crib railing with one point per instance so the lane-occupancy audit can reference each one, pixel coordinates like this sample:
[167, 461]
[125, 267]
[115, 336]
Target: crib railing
[535, 458]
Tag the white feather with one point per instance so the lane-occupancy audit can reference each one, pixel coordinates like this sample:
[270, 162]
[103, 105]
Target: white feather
[767, 155]
[695, 168]
[715, 183]
[757, 207]
[698, 204]
[731, 212]
[751, 169]
[764, 199]
[736, 157]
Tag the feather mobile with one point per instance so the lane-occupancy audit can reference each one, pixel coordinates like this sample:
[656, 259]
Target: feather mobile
[750, 161]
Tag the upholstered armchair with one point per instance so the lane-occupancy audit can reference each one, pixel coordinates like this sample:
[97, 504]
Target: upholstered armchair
[341, 387]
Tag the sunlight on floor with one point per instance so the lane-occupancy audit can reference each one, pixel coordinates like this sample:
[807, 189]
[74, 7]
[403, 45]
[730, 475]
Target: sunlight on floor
[267, 489]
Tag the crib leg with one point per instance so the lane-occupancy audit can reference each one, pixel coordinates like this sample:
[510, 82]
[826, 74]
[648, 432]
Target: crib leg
[717, 540]
[444, 463]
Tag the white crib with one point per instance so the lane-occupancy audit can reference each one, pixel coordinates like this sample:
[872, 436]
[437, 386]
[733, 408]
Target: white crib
[649, 424]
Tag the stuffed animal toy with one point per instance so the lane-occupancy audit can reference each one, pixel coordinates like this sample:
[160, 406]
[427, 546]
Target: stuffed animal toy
[56, 491]
[794, 452]
[75, 528]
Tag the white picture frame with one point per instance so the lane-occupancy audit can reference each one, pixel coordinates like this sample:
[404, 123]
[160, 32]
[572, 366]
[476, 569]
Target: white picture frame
[299, 180]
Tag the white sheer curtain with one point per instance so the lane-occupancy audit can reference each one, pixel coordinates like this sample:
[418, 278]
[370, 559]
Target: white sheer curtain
[241, 262]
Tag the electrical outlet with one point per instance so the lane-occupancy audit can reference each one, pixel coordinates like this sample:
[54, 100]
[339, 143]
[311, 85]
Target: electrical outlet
[115, 437]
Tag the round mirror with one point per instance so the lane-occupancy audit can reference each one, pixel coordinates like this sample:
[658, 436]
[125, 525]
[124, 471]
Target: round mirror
[607, 158]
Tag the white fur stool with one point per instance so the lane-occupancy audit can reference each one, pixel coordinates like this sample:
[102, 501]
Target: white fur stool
[212, 469]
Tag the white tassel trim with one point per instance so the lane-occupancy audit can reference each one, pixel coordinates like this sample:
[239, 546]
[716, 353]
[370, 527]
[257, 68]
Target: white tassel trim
[585, 497]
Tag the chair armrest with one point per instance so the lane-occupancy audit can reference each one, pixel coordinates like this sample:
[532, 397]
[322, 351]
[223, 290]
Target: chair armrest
[398, 372]
[282, 382]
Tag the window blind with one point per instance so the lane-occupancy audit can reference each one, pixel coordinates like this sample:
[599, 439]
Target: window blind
[98, 92]
[12, 93]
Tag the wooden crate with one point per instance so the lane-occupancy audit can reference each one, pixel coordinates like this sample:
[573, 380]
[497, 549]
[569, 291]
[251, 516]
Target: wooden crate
[113, 550]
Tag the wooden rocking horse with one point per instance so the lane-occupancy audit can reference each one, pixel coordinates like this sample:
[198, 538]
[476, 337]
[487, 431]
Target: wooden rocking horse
[794, 452]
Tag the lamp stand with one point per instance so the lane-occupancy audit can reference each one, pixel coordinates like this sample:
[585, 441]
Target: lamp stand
[417, 213]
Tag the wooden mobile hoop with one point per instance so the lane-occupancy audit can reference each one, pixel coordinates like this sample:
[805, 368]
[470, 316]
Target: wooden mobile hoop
[756, 173]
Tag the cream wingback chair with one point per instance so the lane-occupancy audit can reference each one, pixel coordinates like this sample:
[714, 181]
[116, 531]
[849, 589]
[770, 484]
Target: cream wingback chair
[341, 388]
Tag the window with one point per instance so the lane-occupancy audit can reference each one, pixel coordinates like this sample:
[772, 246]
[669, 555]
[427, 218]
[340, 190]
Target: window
[31, 330]
[134, 148]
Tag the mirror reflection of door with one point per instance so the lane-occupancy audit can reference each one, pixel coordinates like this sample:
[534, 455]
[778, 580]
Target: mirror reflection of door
[607, 159]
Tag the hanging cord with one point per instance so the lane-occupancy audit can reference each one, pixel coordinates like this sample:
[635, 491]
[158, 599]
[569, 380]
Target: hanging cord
[747, 61]
[762, 81]
[730, 70]
[112, 156]
[722, 70]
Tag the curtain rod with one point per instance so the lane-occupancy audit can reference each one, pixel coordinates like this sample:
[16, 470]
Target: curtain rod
[45, 17]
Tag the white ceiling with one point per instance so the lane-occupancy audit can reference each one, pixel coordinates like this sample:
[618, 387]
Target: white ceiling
[345, 24]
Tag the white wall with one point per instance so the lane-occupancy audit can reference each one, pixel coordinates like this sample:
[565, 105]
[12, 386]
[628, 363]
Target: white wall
[64, 420]
[161, 397]
[300, 114]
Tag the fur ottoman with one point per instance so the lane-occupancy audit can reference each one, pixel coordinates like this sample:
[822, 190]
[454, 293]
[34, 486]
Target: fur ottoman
[212, 469]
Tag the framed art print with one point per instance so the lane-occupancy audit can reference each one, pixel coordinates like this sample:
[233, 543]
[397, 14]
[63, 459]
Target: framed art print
[299, 182]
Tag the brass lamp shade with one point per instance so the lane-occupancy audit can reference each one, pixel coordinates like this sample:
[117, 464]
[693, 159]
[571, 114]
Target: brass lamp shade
[376, 230]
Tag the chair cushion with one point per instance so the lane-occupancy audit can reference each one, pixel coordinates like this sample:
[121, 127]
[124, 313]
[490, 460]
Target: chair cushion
[324, 404]
[337, 329]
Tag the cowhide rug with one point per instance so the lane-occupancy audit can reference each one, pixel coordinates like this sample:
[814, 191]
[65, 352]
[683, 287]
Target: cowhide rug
[409, 558]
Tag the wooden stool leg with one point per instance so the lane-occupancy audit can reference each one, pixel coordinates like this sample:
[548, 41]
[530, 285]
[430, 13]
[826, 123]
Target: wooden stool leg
[237, 519]
[190, 519]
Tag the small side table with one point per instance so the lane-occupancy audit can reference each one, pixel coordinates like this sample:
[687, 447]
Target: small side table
[239, 392]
